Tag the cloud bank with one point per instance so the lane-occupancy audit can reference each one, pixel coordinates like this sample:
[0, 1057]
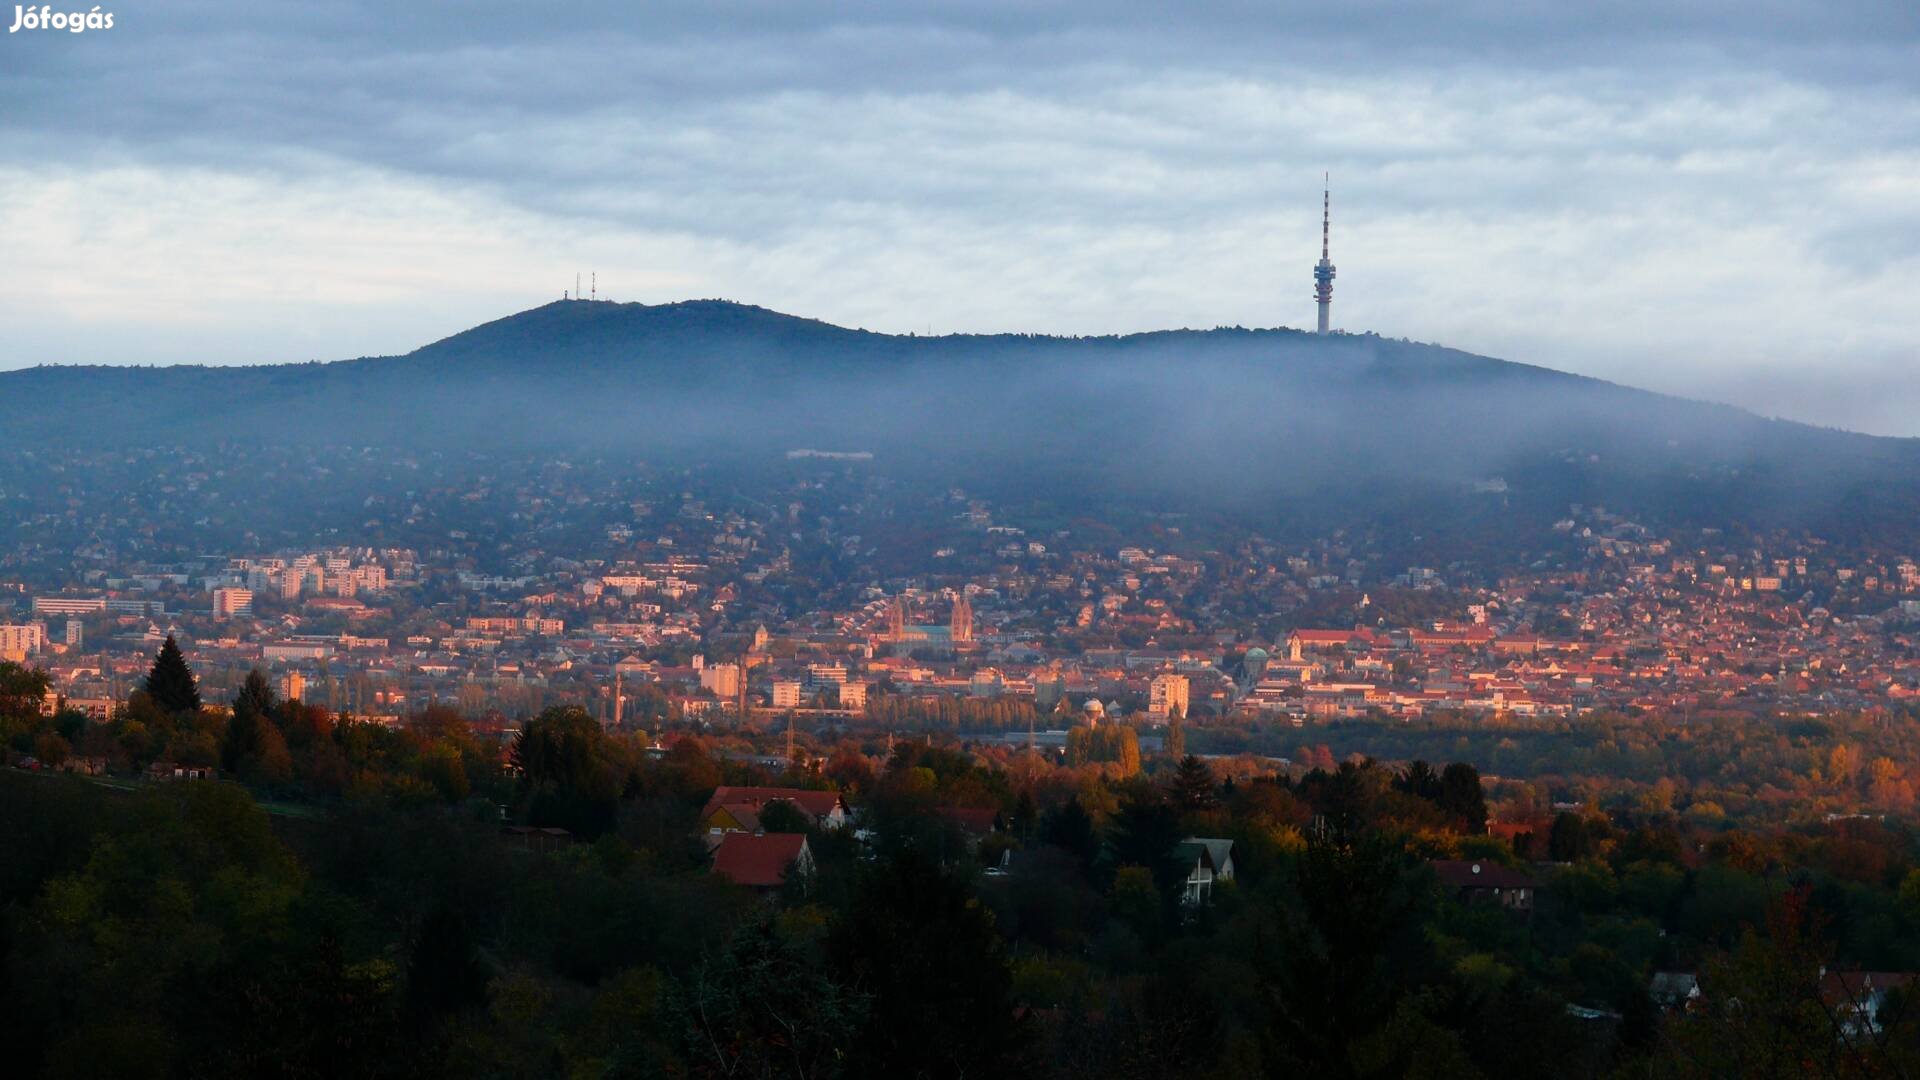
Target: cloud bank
[1721, 202]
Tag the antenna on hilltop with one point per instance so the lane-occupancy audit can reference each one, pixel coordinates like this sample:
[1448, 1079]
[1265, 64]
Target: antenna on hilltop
[1326, 210]
[576, 285]
[596, 284]
[1323, 270]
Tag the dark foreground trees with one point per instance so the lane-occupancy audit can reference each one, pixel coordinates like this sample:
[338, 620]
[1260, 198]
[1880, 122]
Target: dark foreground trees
[925, 954]
[179, 930]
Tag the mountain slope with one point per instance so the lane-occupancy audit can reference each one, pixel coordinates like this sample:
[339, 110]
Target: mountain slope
[1273, 423]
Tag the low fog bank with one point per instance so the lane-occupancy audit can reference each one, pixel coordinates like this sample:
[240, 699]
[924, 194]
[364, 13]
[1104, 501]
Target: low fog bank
[1267, 423]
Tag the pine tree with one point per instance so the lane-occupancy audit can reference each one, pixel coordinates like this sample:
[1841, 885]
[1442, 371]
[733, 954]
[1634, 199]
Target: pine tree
[247, 737]
[1462, 797]
[170, 682]
[1069, 826]
[1193, 785]
[1419, 779]
[256, 695]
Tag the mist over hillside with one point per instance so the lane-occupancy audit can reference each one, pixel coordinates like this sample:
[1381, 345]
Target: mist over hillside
[1278, 427]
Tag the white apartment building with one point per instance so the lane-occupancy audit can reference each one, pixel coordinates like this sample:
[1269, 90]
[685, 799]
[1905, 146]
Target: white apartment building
[1167, 695]
[17, 642]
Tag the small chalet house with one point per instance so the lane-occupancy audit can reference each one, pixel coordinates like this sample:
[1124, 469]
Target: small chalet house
[762, 861]
[737, 809]
[1207, 861]
[1856, 998]
[1675, 991]
[1480, 882]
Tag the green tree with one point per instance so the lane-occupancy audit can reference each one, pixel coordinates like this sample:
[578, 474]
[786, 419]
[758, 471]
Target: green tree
[1419, 779]
[256, 695]
[1763, 1014]
[442, 767]
[782, 816]
[571, 771]
[1143, 832]
[252, 746]
[925, 952]
[1461, 796]
[1069, 826]
[1570, 840]
[23, 690]
[170, 681]
[1193, 788]
[444, 974]
[763, 1008]
[179, 925]
[1342, 966]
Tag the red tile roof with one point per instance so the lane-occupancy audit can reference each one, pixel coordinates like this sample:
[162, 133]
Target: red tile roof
[974, 820]
[1854, 987]
[757, 861]
[1480, 874]
[816, 804]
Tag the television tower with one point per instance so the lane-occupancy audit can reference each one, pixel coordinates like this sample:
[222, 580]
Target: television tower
[1323, 270]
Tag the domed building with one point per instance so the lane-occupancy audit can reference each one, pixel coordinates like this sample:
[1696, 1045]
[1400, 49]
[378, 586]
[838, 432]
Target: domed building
[1254, 665]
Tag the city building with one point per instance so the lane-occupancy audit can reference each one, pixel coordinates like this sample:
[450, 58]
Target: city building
[229, 602]
[722, 680]
[1168, 696]
[68, 605]
[853, 695]
[17, 642]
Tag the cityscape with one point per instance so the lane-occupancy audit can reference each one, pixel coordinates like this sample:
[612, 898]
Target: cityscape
[693, 620]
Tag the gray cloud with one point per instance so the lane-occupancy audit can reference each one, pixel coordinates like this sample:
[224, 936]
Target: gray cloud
[1721, 200]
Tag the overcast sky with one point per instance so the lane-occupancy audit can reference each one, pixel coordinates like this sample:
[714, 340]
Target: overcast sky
[1715, 199]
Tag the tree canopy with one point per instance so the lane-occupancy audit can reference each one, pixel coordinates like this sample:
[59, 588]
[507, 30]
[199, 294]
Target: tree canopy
[170, 682]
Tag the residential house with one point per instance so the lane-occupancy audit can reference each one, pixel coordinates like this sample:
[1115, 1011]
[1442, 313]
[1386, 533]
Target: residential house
[737, 809]
[1674, 991]
[1481, 882]
[975, 823]
[1207, 861]
[1856, 998]
[762, 860]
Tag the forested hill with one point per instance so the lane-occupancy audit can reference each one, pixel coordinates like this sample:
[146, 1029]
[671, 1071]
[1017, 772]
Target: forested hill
[1271, 422]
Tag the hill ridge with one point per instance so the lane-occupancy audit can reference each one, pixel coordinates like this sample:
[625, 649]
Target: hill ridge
[1260, 421]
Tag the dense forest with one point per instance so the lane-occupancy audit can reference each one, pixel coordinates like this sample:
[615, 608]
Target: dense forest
[351, 901]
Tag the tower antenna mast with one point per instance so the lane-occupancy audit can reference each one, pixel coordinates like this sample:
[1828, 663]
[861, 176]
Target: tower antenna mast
[1323, 270]
[1326, 210]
